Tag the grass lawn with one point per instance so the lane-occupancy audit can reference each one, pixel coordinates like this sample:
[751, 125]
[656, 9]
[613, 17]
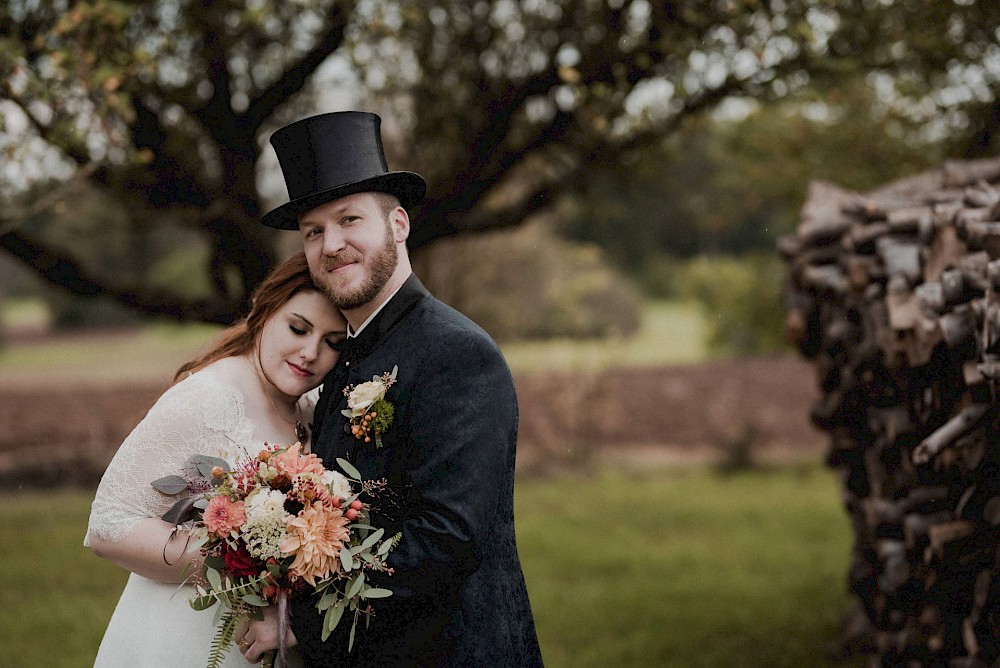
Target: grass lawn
[149, 353]
[678, 568]
[671, 333]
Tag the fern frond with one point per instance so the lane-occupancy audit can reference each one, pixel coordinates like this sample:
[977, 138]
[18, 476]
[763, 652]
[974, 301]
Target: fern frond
[223, 638]
[395, 540]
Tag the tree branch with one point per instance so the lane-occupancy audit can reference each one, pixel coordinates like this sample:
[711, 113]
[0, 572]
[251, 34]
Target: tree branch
[63, 270]
[12, 218]
[295, 77]
[76, 152]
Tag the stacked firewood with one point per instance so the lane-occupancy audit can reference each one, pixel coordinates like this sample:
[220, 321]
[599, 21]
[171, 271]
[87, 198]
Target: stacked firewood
[895, 297]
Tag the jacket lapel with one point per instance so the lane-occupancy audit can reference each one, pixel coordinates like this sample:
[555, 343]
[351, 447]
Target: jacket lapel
[332, 440]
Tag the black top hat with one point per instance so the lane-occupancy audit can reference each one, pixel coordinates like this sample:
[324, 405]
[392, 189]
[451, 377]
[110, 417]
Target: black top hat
[329, 156]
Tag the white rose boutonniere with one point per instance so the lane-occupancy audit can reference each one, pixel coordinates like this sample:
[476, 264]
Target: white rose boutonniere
[369, 413]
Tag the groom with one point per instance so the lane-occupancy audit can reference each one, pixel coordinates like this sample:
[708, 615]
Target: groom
[459, 597]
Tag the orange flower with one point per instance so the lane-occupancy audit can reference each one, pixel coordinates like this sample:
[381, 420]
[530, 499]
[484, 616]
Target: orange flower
[293, 462]
[315, 538]
[222, 516]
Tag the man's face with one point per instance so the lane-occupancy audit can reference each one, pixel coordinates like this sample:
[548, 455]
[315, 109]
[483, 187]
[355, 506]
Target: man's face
[350, 244]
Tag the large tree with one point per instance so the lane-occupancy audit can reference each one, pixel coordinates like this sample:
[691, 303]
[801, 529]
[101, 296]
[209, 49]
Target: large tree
[163, 107]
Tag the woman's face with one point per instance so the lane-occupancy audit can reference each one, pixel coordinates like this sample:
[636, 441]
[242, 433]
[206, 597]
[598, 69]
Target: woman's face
[295, 348]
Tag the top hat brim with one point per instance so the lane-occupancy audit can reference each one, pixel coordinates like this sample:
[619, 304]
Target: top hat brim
[408, 187]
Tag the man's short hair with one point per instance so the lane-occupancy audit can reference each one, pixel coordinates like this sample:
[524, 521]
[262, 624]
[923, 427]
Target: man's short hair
[386, 201]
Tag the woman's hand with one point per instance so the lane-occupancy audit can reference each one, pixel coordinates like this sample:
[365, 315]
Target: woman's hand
[261, 636]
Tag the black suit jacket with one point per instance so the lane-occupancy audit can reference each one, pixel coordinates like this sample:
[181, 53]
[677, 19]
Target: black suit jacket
[459, 597]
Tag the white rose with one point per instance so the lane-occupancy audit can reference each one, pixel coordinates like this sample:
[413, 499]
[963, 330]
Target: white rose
[364, 395]
[264, 504]
[339, 485]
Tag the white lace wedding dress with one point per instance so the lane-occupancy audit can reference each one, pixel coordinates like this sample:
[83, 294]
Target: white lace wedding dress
[154, 625]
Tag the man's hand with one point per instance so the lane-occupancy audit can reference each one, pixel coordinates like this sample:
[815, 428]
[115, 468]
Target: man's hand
[261, 636]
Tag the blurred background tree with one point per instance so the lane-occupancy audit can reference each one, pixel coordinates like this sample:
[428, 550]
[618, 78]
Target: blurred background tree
[134, 133]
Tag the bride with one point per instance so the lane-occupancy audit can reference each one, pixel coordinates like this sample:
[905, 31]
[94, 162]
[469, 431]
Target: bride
[250, 388]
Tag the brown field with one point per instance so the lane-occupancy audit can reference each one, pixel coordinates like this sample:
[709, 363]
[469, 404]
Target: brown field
[53, 433]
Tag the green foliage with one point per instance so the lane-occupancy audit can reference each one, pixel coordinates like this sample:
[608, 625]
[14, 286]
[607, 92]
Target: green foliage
[733, 184]
[163, 107]
[70, 312]
[741, 300]
[181, 268]
[529, 284]
[222, 641]
[744, 570]
[383, 420]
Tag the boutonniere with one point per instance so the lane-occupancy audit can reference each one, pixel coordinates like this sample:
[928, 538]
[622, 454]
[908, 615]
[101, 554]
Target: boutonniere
[369, 413]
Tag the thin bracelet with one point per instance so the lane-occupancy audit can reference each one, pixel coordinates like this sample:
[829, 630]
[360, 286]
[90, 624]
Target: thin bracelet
[170, 538]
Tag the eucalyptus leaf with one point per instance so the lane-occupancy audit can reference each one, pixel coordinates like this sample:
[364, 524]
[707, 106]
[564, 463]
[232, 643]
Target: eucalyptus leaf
[349, 468]
[213, 578]
[384, 548]
[376, 592]
[350, 641]
[170, 485]
[325, 601]
[346, 559]
[372, 539]
[203, 602]
[355, 585]
[254, 599]
[331, 619]
[181, 511]
[219, 613]
[205, 463]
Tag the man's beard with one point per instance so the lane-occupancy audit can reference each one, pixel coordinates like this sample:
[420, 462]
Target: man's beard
[380, 266]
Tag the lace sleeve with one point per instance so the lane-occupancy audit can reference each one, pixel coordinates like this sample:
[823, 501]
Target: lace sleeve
[199, 415]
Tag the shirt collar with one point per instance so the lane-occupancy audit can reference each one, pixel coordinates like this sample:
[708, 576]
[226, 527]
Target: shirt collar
[376, 328]
[351, 334]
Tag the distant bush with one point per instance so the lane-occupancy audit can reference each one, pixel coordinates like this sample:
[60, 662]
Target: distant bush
[529, 284]
[72, 312]
[658, 276]
[741, 297]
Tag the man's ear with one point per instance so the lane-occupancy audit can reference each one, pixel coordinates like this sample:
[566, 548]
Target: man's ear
[400, 221]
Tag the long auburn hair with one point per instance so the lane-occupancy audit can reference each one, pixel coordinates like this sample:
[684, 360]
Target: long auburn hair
[284, 282]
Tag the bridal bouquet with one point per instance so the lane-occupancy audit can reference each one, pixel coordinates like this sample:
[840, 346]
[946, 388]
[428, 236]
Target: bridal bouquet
[276, 525]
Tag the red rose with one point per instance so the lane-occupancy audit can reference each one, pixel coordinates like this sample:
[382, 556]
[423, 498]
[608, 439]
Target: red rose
[239, 563]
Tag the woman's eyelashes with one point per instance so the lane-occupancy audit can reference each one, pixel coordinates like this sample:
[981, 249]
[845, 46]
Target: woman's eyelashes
[298, 331]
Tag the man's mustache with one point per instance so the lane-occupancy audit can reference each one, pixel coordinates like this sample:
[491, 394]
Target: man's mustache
[332, 262]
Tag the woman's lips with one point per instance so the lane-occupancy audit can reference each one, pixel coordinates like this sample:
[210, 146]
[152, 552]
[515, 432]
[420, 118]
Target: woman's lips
[299, 371]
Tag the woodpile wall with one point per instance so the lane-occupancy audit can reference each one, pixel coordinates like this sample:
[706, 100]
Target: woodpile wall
[894, 295]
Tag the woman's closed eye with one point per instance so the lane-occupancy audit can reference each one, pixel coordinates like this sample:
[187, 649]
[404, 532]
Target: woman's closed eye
[297, 330]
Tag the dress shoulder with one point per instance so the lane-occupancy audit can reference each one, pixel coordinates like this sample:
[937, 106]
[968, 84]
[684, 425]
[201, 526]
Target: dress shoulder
[199, 415]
